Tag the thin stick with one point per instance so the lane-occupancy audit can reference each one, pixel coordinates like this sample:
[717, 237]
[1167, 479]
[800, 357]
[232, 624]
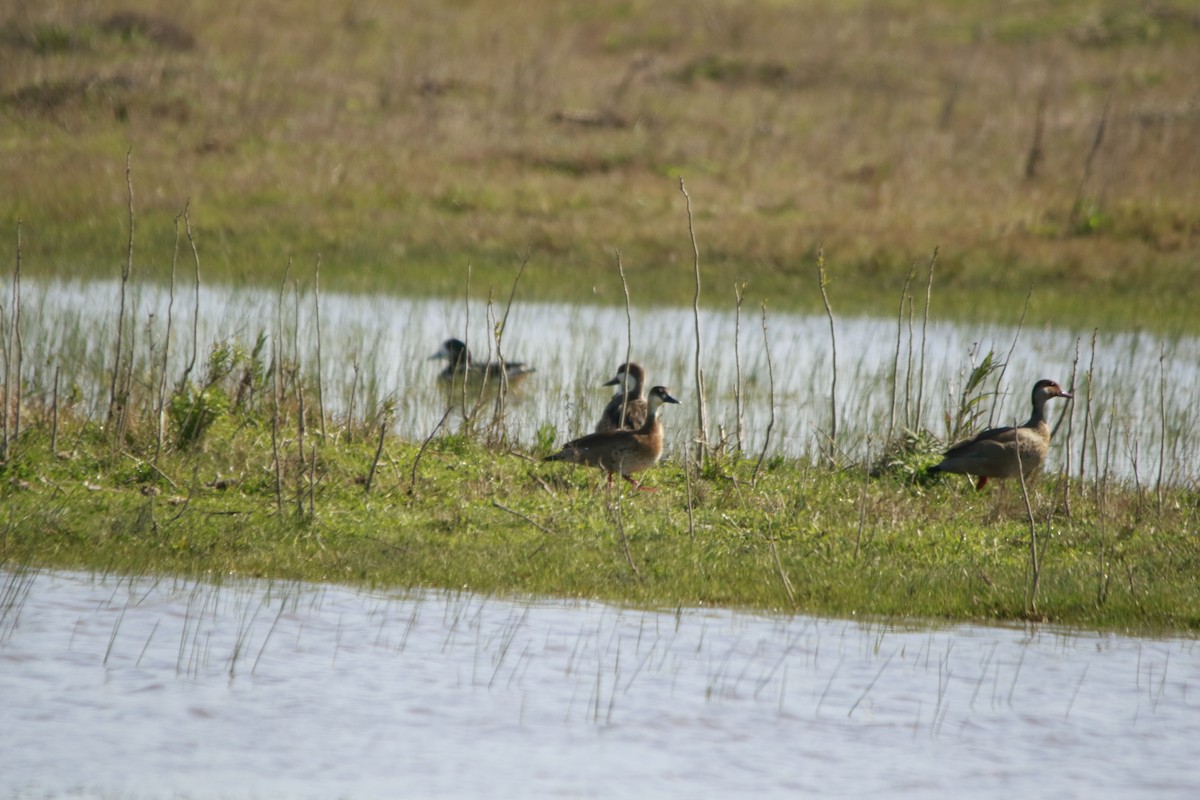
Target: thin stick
[277, 391]
[412, 486]
[620, 519]
[502, 395]
[1070, 411]
[187, 224]
[738, 293]
[317, 319]
[1033, 555]
[54, 415]
[6, 340]
[18, 344]
[924, 334]
[770, 396]
[301, 422]
[356, 367]
[701, 405]
[783, 576]
[628, 331]
[912, 270]
[1162, 416]
[1087, 412]
[161, 411]
[908, 370]
[833, 424]
[527, 518]
[383, 426]
[1008, 358]
[126, 269]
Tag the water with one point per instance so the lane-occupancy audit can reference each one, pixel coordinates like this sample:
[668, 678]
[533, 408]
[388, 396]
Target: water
[1141, 396]
[134, 687]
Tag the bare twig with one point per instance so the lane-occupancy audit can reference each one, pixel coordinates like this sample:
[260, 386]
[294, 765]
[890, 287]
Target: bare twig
[1008, 358]
[783, 576]
[526, 517]
[161, 411]
[317, 321]
[770, 398]
[628, 330]
[701, 404]
[1162, 417]
[126, 269]
[187, 225]
[1033, 553]
[1087, 412]
[912, 270]
[277, 391]
[1070, 411]
[739, 422]
[924, 334]
[502, 395]
[620, 520]
[412, 485]
[833, 422]
[383, 426]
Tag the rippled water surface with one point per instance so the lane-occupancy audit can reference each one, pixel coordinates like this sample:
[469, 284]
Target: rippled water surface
[120, 687]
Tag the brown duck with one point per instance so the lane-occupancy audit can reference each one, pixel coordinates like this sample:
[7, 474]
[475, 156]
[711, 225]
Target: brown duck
[630, 397]
[624, 452]
[1009, 451]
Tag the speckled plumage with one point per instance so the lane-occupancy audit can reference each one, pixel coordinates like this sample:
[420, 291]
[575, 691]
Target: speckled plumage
[622, 452]
[1008, 451]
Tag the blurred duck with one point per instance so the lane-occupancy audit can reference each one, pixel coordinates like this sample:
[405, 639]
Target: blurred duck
[630, 401]
[461, 364]
[622, 452]
[1009, 451]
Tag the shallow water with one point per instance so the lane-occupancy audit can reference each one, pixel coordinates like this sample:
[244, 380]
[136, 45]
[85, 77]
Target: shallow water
[134, 687]
[1141, 397]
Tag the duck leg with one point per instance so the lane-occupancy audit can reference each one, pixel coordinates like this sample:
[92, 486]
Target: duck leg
[641, 487]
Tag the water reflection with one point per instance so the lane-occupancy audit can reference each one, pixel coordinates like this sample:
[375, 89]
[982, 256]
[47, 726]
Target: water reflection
[1141, 399]
[124, 687]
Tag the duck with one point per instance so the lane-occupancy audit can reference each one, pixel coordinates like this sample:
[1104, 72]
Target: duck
[461, 363]
[1008, 451]
[622, 452]
[630, 399]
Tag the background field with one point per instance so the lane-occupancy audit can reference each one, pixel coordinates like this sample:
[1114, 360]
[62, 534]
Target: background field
[1052, 147]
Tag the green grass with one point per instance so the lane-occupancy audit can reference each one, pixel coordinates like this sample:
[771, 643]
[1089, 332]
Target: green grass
[499, 521]
[402, 142]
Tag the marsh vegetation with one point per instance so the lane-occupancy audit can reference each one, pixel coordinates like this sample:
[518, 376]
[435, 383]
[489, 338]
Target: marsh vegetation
[1051, 149]
[962, 171]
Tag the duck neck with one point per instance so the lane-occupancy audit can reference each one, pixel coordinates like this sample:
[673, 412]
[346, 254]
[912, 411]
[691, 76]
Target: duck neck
[651, 416]
[1038, 418]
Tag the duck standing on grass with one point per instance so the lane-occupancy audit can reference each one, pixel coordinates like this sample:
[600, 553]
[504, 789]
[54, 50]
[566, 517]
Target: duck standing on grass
[624, 452]
[463, 366]
[1009, 451]
[627, 409]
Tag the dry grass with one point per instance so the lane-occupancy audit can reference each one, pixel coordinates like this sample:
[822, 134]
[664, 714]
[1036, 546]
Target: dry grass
[395, 137]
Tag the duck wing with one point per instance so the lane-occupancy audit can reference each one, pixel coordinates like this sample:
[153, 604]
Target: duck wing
[991, 436]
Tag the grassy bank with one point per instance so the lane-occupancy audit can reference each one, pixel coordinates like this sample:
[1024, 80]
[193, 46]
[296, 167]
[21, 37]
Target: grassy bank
[462, 513]
[1050, 149]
